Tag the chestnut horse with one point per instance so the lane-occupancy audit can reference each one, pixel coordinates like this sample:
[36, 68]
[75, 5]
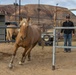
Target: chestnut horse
[27, 38]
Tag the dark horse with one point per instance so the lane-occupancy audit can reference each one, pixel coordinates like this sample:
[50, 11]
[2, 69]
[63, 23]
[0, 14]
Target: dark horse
[27, 38]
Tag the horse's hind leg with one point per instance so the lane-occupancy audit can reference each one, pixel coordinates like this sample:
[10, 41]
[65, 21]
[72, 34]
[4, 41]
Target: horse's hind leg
[28, 52]
[29, 55]
[23, 56]
[25, 53]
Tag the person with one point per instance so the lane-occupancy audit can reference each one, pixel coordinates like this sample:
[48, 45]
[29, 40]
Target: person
[67, 33]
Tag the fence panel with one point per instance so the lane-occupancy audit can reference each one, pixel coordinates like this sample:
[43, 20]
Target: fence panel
[56, 46]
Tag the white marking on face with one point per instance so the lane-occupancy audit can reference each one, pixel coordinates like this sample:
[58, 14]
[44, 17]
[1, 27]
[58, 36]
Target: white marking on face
[24, 24]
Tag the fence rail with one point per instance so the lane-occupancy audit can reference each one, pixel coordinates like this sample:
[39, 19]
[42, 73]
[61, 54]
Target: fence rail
[3, 34]
[4, 27]
[55, 46]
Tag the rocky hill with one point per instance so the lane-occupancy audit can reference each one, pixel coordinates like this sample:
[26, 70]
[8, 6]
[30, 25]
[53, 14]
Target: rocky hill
[46, 15]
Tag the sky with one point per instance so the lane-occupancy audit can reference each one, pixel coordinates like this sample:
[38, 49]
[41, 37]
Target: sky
[70, 4]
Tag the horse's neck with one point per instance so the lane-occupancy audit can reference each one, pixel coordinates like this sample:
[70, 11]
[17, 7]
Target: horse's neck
[29, 31]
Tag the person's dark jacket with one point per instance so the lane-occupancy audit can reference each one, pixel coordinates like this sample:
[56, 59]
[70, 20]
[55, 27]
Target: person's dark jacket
[68, 24]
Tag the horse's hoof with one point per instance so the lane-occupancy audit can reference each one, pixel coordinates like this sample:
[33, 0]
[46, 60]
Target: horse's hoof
[20, 63]
[10, 66]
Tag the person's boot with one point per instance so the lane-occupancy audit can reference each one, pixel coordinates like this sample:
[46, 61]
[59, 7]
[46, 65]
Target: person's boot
[65, 50]
[69, 50]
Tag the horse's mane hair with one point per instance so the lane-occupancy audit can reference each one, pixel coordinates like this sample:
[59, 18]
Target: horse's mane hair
[23, 20]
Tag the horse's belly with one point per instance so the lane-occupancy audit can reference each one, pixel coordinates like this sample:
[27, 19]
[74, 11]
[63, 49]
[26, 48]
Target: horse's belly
[24, 44]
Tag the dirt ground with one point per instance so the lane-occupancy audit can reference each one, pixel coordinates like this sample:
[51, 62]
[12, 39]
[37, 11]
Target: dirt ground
[41, 61]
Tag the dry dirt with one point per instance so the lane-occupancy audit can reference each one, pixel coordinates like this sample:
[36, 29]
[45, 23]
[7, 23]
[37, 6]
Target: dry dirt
[41, 61]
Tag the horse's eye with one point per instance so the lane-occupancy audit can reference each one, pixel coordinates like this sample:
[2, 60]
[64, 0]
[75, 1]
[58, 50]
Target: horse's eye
[20, 26]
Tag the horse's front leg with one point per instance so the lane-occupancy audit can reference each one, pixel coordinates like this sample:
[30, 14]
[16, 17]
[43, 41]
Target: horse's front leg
[28, 53]
[23, 56]
[25, 53]
[13, 56]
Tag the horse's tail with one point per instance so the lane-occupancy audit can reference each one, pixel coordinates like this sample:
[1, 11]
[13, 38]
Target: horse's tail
[42, 43]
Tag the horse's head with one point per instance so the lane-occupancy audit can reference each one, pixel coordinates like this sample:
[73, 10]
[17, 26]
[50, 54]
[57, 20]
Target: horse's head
[24, 24]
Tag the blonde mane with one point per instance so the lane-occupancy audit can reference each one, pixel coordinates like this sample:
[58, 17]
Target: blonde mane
[24, 21]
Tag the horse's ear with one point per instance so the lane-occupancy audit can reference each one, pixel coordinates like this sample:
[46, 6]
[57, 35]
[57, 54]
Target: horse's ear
[21, 18]
[28, 19]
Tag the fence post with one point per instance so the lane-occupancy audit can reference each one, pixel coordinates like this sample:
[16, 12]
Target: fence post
[54, 45]
[54, 51]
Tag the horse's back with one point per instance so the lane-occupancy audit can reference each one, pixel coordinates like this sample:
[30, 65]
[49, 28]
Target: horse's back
[35, 33]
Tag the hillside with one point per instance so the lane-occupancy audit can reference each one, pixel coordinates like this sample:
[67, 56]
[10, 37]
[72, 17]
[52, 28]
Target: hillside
[45, 16]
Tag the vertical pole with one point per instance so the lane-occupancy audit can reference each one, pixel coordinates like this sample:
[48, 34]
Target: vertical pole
[19, 10]
[54, 51]
[43, 28]
[56, 14]
[57, 25]
[15, 8]
[38, 12]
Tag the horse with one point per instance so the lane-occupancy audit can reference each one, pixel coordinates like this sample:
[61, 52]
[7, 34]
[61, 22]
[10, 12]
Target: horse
[11, 33]
[27, 38]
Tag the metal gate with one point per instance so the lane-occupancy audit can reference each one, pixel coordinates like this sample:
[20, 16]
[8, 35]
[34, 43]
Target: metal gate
[2, 30]
[56, 46]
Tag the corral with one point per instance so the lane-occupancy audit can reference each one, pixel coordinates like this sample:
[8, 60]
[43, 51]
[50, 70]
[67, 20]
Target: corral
[41, 61]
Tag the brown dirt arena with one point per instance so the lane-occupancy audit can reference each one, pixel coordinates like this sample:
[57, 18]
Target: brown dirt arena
[41, 61]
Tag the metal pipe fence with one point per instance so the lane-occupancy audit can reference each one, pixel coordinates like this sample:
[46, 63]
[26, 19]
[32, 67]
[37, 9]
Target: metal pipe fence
[56, 46]
[3, 34]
